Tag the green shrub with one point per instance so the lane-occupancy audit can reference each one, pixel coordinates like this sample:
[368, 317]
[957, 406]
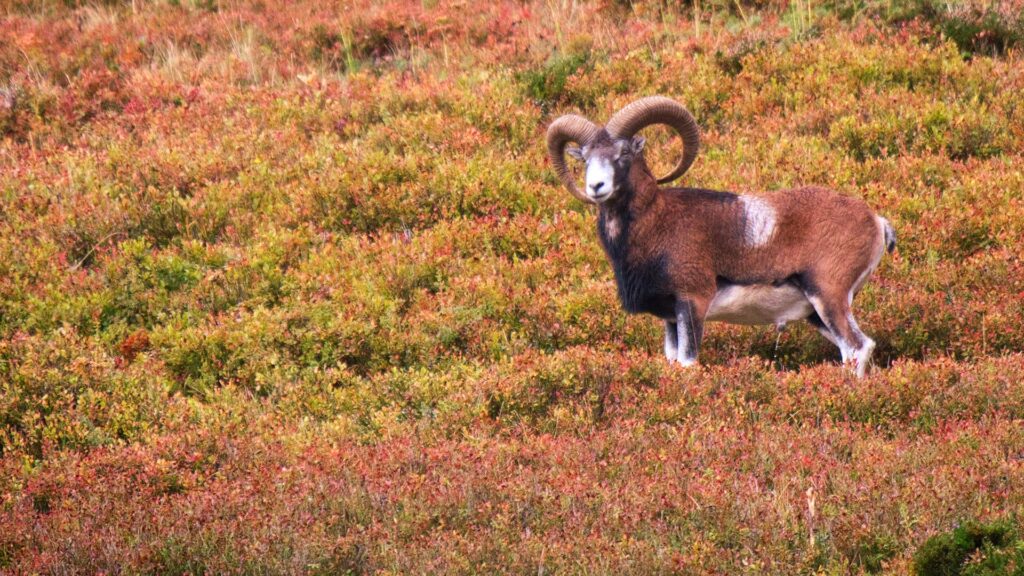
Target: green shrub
[973, 549]
[874, 552]
[546, 85]
[976, 26]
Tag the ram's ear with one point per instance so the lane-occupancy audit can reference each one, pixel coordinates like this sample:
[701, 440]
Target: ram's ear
[575, 152]
[636, 144]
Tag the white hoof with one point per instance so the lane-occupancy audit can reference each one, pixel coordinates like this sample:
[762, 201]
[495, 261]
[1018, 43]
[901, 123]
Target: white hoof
[863, 357]
[671, 352]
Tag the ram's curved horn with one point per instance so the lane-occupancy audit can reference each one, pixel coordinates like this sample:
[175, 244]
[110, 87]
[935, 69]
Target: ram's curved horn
[565, 129]
[659, 110]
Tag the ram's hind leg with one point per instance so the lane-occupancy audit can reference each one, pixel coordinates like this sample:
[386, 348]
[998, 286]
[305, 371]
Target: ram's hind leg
[815, 320]
[836, 322]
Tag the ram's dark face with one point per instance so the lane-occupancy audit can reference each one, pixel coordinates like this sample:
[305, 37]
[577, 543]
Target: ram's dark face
[608, 162]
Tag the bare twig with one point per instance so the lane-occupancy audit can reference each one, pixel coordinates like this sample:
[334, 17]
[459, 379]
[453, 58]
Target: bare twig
[81, 261]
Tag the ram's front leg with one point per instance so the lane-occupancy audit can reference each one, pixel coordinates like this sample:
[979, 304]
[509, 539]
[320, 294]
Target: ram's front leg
[689, 329]
[671, 341]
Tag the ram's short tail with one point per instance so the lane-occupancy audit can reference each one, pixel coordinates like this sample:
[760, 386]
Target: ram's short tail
[890, 235]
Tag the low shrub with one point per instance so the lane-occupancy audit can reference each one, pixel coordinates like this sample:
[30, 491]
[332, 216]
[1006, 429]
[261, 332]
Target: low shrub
[546, 84]
[973, 549]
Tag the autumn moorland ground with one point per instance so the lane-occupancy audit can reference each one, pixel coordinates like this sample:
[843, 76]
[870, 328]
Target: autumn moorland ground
[291, 288]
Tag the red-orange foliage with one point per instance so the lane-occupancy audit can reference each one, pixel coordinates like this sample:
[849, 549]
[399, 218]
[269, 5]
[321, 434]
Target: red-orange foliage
[291, 288]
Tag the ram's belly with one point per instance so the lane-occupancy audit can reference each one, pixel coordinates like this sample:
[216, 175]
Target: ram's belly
[759, 304]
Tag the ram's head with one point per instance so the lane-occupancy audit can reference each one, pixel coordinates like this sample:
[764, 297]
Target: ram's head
[609, 152]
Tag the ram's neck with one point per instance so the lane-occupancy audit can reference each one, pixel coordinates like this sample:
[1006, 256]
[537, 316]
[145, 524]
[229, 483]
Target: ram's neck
[644, 191]
[618, 218]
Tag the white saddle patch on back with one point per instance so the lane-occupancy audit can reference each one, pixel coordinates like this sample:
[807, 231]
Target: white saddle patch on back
[759, 220]
[759, 304]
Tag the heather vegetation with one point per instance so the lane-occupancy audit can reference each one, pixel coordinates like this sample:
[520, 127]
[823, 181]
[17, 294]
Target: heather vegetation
[291, 288]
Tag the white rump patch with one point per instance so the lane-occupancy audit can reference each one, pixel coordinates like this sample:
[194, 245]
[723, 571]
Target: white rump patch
[759, 220]
[876, 258]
